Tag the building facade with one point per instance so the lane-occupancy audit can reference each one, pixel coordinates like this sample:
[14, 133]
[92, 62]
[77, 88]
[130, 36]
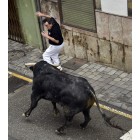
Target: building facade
[90, 32]
[94, 35]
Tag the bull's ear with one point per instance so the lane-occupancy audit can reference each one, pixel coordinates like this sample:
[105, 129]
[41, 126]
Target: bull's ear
[31, 68]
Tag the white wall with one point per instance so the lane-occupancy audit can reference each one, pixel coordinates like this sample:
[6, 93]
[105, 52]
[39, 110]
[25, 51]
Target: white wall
[118, 7]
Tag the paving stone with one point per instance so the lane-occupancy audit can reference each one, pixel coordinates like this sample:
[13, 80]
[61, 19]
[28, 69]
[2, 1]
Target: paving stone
[16, 62]
[87, 73]
[101, 69]
[108, 80]
[85, 70]
[65, 57]
[122, 86]
[117, 79]
[106, 76]
[12, 67]
[130, 100]
[64, 61]
[99, 95]
[108, 69]
[90, 80]
[112, 72]
[119, 104]
[114, 76]
[119, 83]
[96, 73]
[101, 79]
[30, 75]
[124, 106]
[32, 57]
[101, 84]
[81, 73]
[129, 88]
[129, 75]
[91, 66]
[113, 88]
[92, 76]
[119, 72]
[106, 87]
[69, 58]
[129, 109]
[123, 75]
[129, 94]
[15, 44]
[89, 76]
[124, 91]
[20, 65]
[93, 70]
[128, 82]
[84, 66]
[96, 88]
[112, 83]
[97, 77]
[78, 70]
[97, 66]
[106, 97]
[119, 90]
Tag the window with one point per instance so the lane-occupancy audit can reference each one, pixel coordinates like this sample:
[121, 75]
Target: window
[78, 13]
[130, 8]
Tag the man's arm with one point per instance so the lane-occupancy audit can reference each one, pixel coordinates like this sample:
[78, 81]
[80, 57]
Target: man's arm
[50, 38]
[39, 14]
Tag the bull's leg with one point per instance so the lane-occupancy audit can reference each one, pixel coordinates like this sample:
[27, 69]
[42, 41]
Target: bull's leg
[56, 110]
[61, 129]
[34, 101]
[68, 118]
[87, 118]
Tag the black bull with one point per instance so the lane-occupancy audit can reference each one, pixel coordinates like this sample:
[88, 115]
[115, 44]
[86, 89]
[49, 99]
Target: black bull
[73, 93]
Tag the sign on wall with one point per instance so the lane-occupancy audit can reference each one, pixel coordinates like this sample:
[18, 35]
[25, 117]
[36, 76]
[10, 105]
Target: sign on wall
[117, 7]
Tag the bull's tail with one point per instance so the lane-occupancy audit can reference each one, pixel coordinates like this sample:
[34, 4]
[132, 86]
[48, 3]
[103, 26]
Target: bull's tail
[105, 117]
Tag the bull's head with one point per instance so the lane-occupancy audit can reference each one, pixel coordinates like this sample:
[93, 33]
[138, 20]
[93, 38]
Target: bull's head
[43, 67]
[31, 68]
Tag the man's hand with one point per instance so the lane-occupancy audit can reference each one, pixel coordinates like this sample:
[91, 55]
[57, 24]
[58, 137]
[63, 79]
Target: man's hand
[44, 34]
[39, 14]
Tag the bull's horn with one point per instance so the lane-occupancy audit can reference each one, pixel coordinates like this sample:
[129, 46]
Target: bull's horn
[29, 64]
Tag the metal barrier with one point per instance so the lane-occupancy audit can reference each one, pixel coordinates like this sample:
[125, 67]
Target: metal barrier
[14, 27]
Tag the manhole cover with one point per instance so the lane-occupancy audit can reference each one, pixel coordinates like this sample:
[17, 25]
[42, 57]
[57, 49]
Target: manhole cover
[15, 54]
[74, 63]
[15, 83]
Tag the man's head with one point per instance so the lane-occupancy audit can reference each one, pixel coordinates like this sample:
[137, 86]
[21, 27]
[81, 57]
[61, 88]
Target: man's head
[49, 22]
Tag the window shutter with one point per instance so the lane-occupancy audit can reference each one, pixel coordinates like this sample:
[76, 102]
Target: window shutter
[79, 13]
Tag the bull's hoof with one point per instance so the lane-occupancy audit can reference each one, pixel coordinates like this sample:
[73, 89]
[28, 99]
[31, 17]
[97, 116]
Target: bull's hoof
[83, 126]
[25, 115]
[60, 131]
[56, 112]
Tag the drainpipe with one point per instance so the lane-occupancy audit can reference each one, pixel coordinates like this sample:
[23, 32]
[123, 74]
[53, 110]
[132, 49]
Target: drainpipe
[38, 8]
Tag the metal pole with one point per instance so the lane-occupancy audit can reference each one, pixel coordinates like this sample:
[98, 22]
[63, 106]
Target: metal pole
[38, 8]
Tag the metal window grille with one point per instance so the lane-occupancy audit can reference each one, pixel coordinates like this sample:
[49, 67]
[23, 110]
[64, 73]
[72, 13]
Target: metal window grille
[14, 27]
[78, 13]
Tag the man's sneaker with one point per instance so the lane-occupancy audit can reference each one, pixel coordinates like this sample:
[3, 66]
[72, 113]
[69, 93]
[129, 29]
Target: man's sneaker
[60, 68]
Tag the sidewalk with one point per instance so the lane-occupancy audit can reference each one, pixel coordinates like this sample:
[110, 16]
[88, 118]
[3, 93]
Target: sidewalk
[111, 85]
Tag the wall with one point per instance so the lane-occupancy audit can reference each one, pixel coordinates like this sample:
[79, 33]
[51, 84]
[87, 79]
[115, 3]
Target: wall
[29, 22]
[111, 45]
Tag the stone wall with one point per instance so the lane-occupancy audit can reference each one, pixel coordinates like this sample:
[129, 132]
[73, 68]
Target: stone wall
[117, 31]
[110, 45]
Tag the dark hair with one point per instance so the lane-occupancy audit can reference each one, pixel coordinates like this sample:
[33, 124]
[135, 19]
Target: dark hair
[49, 20]
[45, 20]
